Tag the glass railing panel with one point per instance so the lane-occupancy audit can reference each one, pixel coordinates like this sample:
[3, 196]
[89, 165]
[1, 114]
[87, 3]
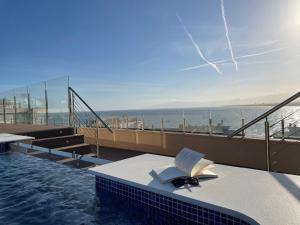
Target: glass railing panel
[38, 103]
[286, 123]
[57, 92]
[9, 107]
[22, 96]
[2, 110]
[248, 113]
[172, 119]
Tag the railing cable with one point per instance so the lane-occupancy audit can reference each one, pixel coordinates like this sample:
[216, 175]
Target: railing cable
[73, 92]
[265, 115]
[284, 118]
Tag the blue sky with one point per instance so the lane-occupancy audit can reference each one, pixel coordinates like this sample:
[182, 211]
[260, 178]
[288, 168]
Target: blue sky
[136, 54]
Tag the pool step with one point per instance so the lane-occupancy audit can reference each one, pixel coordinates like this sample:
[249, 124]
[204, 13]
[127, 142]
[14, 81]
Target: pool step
[66, 160]
[61, 141]
[50, 133]
[91, 155]
[81, 149]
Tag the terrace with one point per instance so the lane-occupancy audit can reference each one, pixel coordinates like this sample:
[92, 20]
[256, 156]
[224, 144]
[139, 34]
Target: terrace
[72, 133]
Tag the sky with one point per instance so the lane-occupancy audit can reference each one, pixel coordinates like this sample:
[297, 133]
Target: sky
[132, 54]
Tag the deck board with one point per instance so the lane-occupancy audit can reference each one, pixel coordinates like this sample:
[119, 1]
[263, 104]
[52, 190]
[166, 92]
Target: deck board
[27, 128]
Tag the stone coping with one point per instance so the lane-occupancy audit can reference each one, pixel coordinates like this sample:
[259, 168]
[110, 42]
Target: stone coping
[8, 138]
[256, 196]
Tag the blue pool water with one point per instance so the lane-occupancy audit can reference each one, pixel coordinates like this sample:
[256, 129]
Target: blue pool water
[38, 191]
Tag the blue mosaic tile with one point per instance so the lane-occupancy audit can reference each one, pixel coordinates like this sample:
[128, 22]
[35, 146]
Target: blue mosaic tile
[3, 147]
[160, 209]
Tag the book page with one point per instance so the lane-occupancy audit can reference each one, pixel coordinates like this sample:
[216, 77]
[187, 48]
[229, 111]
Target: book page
[206, 174]
[200, 166]
[187, 159]
[168, 173]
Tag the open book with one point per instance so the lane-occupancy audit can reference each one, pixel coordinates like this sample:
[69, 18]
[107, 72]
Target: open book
[188, 163]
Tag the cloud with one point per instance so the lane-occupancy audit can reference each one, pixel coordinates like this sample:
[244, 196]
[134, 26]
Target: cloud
[239, 57]
[227, 35]
[253, 62]
[261, 53]
[214, 66]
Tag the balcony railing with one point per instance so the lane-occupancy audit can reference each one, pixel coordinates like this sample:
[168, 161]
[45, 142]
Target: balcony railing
[265, 116]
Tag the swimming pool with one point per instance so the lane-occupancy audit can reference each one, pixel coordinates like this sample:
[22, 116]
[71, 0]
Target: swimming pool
[38, 191]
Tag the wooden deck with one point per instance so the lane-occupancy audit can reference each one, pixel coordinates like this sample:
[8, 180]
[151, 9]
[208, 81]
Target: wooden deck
[62, 137]
[27, 128]
[105, 153]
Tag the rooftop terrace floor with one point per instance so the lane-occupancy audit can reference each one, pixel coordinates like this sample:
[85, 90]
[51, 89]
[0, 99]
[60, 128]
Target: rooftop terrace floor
[26, 128]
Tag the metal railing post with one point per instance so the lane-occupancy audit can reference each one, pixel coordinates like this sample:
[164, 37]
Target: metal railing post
[97, 138]
[184, 125]
[126, 122]
[46, 105]
[29, 117]
[282, 130]
[15, 110]
[267, 144]
[143, 123]
[4, 111]
[73, 110]
[210, 126]
[162, 124]
[70, 107]
[243, 131]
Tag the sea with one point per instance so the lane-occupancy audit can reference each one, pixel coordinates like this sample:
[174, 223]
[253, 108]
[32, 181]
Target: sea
[229, 117]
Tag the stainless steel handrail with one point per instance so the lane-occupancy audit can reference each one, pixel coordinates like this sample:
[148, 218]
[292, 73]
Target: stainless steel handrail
[72, 91]
[267, 127]
[265, 115]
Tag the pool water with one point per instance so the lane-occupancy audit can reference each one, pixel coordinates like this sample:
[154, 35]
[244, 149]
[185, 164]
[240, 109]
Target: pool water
[38, 191]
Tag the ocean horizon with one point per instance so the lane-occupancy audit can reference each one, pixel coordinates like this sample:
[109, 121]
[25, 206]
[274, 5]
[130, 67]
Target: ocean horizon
[230, 116]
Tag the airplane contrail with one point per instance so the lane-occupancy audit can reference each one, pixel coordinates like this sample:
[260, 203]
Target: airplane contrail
[213, 65]
[239, 57]
[227, 35]
[261, 53]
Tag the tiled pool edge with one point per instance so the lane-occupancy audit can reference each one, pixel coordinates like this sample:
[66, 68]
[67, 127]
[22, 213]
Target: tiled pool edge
[177, 210]
[3, 147]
